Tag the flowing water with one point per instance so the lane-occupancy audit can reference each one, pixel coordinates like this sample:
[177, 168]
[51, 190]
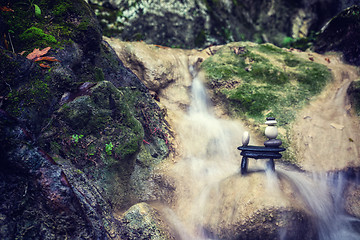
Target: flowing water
[210, 157]
[323, 196]
[211, 195]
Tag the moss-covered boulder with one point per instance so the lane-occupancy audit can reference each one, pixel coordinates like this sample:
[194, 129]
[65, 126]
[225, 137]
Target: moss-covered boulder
[71, 129]
[341, 34]
[98, 134]
[255, 81]
[141, 221]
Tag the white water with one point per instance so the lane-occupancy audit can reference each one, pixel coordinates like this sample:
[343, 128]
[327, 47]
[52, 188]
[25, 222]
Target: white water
[323, 195]
[210, 157]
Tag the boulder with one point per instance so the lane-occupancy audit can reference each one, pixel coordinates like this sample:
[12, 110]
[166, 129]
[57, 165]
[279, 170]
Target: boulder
[341, 34]
[141, 221]
[71, 129]
[193, 23]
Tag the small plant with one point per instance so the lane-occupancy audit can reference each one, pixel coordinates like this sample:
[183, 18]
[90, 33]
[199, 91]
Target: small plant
[75, 138]
[37, 9]
[108, 148]
[287, 41]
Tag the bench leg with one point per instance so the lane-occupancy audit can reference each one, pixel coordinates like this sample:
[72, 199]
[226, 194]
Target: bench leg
[271, 165]
[244, 165]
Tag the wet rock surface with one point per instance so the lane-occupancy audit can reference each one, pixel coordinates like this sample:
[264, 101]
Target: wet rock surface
[141, 221]
[194, 23]
[340, 34]
[70, 134]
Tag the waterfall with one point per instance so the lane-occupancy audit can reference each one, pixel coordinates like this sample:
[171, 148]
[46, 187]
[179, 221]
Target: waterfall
[210, 157]
[323, 195]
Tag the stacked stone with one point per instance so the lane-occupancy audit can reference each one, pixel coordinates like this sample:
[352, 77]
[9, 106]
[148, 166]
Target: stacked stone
[271, 132]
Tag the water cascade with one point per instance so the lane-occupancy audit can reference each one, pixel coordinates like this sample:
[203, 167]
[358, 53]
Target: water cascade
[323, 196]
[210, 158]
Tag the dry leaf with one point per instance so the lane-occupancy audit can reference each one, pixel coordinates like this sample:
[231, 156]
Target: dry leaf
[43, 65]
[37, 53]
[6, 9]
[50, 59]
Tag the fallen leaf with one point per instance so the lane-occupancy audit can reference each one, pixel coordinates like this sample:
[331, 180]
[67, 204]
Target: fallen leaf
[37, 53]
[6, 9]
[43, 65]
[337, 126]
[50, 59]
[311, 58]
[159, 46]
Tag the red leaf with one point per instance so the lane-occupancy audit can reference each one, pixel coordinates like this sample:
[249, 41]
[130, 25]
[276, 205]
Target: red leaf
[37, 53]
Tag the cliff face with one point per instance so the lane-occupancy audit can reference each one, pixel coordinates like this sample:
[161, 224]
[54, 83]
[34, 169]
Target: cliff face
[199, 23]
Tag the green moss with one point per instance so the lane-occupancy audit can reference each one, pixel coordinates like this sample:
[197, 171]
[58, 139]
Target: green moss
[259, 81]
[253, 100]
[270, 48]
[55, 27]
[34, 95]
[291, 61]
[61, 8]
[313, 77]
[287, 41]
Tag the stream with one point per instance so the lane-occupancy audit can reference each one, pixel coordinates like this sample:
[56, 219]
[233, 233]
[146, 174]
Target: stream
[210, 159]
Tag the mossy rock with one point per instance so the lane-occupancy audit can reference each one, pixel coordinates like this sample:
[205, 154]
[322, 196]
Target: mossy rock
[37, 35]
[104, 115]
[141, 221]
[43, 23]
[255, 81]
[98, 135]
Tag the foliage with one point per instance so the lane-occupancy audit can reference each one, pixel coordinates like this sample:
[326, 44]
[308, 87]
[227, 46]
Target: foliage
[41, 23]
[75, 137]
[287, 41]
[109, 148]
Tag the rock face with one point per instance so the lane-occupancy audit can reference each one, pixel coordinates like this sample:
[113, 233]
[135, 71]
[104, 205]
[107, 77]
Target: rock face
[195, 23]
[141, 221]
[341, 34]
[73, 131]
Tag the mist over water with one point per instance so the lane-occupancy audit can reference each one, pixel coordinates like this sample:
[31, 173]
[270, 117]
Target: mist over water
[211, 156]
[323, 195]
